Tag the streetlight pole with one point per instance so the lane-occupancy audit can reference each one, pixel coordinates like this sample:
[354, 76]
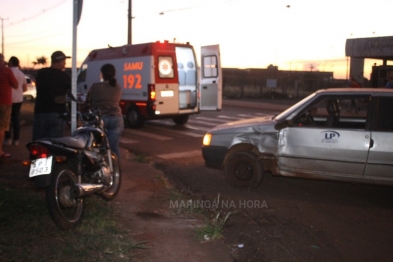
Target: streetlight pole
[2, 35]
[129, 41]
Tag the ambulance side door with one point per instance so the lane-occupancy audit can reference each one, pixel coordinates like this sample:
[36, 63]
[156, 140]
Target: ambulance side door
[210, 78]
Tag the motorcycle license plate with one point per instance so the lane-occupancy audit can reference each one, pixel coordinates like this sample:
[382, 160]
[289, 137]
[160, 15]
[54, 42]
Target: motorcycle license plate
[40, 166]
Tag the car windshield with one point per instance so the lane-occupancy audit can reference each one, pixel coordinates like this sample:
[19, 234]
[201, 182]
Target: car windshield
[284, 114]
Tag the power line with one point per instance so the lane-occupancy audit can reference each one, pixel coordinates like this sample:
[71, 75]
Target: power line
[36, 15]
[32, 37]
[183, 8]
[35, 33]
[201, 5]
[36, 39]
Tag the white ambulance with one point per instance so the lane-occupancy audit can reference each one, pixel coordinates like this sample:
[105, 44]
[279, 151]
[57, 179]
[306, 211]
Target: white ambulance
[159, 80]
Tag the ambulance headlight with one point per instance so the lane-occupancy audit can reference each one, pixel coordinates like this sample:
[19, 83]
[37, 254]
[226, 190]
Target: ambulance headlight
[207, 139]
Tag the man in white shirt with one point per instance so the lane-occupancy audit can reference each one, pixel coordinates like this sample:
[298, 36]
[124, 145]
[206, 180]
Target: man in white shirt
[17, 99]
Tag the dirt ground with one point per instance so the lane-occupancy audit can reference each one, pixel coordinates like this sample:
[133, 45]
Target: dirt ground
[143, 206]
[169, 233]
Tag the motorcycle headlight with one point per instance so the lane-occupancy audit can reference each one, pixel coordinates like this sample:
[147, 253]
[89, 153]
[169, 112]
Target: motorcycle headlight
[207, 139]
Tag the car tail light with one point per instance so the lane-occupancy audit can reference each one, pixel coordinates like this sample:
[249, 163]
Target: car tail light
[38, 151]
[152, 92]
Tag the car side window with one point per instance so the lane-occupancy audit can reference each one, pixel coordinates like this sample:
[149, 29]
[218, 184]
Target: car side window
[348, 112]
[354, 111]
[383, 118]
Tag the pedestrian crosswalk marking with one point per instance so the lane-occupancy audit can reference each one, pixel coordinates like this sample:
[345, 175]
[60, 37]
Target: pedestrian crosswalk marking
[179, 132]
[146, 134]
[197, 127]
[181, 154]
[128, 141]
[229, 117]
[242, 116]
[211, 119]
[261, 114]
[203, 123]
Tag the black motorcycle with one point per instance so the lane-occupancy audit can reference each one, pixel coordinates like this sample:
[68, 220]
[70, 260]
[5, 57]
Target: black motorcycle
[73, 167]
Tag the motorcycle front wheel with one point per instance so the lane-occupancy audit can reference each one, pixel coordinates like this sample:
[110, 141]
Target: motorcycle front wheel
[111, 192]
[65, 211]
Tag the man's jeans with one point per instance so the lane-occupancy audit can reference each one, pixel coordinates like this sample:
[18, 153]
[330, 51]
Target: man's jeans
[48, 125]
[15, 124]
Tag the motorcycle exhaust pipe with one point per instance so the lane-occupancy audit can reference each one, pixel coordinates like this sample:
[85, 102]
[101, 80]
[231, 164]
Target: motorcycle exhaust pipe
[80, 190]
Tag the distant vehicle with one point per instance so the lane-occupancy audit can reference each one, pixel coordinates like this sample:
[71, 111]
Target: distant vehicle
[326, 136]
[31, 92]
[159, 80]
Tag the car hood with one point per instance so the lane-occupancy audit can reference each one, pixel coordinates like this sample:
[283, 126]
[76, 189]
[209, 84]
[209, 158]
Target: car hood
[245, 125]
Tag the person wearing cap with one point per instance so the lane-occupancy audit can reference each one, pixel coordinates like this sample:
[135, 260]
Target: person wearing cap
[52, 85]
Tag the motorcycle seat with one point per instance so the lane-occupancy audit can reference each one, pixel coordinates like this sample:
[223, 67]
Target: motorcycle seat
[78, 141]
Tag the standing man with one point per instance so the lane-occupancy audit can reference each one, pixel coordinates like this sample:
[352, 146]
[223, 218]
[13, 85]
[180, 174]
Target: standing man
[7, 82]
[17, 99]
[52, 85]
[390, 83]
[354, 84]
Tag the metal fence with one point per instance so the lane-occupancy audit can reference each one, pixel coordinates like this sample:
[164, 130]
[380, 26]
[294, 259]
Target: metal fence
[256, 83]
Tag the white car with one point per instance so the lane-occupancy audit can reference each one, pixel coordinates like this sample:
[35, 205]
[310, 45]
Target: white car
[320, 137]
[31, 92]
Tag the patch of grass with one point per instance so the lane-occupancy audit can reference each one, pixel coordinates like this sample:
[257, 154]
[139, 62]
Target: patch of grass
[142, 158]
[175, 195]
[165, 181]
[182, 204]
[27, 232]
[213, 229]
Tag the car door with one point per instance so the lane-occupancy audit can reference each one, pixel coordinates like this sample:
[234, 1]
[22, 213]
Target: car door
[326, 150]
[380, 158]
[210, 78]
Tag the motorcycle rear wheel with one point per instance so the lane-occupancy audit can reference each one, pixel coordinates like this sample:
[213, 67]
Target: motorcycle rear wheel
[65, 211]
[111, 192]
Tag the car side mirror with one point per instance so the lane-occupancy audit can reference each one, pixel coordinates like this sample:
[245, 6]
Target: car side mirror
[282, 125]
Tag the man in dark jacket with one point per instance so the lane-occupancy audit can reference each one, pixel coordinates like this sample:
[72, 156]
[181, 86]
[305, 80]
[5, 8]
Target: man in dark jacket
[52, 85]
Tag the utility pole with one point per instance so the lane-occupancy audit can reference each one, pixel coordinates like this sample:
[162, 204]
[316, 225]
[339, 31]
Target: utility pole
[129, 23]
[2, 34]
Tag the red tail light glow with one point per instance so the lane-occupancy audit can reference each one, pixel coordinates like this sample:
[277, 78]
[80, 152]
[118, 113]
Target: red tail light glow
[38, 151]
[152, 92]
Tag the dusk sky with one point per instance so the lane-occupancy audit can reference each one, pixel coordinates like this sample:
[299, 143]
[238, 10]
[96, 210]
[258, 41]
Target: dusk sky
[294, 35]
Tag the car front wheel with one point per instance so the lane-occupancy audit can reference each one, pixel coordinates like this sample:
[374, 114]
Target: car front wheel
[243, 170]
